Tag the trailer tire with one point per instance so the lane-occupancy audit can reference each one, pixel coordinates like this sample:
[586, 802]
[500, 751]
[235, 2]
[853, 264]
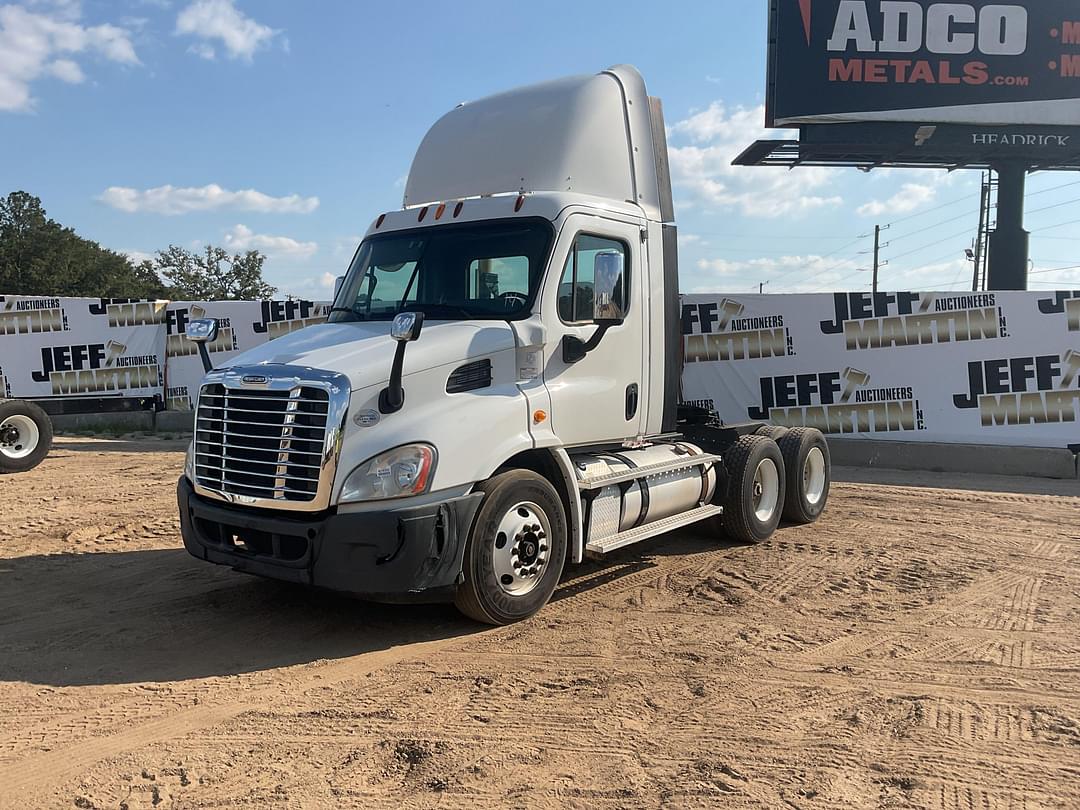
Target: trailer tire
[26, 435]
[774, 432]
[515, 551]
[755, 489]
[809, 471]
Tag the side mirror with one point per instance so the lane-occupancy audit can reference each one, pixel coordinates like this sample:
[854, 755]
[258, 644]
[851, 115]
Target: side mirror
[406, 326]
[338, 282]
[202, 330]
[608, 293]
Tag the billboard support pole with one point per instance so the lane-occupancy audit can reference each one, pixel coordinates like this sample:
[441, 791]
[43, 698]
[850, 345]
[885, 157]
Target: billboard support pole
[1008, 260]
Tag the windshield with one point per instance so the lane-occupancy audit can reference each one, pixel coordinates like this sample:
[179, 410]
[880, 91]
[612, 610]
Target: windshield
[453, 272]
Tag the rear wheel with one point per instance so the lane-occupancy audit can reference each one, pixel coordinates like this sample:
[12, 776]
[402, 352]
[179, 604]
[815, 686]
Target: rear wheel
[809, 470]
[515, 552]
[755, 492]
[25, 435]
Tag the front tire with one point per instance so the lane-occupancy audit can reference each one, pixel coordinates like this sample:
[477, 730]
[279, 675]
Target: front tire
[26, 435]
[515, 552]
[755, 491]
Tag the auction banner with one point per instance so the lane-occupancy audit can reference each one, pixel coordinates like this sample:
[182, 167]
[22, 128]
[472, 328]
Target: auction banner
[979, 368]
[56, 347]
[979, 62]
[242, 325]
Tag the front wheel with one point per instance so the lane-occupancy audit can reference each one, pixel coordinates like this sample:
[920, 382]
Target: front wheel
[515, 552]
[25, 435]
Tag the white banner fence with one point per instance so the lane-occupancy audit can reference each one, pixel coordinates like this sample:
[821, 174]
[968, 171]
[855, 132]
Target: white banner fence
[981, 368]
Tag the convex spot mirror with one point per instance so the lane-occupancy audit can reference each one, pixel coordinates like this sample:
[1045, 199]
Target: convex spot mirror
[608, 292]
[338, 283]
[406, 326]
[202, 330]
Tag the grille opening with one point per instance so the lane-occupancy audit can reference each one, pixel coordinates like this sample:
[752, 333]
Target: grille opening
[258, 543]
[469, 377]
[261, 444]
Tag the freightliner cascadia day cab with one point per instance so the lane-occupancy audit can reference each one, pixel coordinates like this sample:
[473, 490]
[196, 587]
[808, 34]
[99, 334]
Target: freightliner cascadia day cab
[496, 393]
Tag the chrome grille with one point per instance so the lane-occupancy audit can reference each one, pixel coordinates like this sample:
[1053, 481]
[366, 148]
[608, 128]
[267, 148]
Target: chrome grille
[268, 445]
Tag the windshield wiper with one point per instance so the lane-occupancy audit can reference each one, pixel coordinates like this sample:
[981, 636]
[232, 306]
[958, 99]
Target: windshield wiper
[350, 310]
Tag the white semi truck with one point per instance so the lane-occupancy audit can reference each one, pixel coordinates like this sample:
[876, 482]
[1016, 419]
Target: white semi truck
[496, 393]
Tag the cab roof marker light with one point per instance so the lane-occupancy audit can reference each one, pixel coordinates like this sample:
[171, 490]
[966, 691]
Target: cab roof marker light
[380, 221]
[520, 202]
[423, 213]
[440, 211]
[457, 209]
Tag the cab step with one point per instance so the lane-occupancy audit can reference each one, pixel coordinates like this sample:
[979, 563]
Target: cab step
[634, 473]
[598, 548]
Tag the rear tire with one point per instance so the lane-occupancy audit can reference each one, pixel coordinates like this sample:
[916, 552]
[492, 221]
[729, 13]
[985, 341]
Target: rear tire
[755, 491]
[515, 552]
[26, 435]
[774, 432]
[809, 471]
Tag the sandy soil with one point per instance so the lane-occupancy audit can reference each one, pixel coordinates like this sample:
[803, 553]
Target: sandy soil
[916, 648]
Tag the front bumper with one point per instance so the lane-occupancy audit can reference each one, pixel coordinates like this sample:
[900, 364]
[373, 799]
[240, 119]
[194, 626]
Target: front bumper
[395, 553]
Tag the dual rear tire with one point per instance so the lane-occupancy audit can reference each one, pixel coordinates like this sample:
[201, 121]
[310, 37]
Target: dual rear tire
[776, 473]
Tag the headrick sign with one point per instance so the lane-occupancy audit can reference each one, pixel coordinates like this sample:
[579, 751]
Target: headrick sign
[977, 62]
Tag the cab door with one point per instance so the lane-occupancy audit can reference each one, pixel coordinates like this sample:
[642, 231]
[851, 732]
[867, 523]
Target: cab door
[600, 397]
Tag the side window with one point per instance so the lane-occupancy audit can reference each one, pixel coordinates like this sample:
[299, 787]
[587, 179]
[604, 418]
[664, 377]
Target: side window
[576, 285]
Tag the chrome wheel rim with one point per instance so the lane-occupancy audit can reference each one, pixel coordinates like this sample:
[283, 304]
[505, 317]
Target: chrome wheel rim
[766, 493]
[814, 476]
[521, 548]
[19, 436]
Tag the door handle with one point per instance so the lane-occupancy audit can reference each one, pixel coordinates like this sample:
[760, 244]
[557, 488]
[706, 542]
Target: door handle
[631, 401]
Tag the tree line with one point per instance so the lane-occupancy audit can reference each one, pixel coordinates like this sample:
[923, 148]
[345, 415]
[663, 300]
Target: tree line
[39, 256]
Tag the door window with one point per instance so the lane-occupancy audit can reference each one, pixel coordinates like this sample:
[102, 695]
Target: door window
[576, 284]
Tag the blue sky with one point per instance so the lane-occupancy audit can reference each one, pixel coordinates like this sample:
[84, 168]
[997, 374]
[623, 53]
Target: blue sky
[287, 126]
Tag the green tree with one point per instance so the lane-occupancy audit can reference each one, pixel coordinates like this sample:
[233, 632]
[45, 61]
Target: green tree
[213, 275]
[39, 256]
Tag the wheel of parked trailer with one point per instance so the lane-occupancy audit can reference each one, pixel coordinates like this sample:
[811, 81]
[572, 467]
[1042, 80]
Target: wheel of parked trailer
[25, 435]
[809, 470]
[515, 552]
[774, 432]
[755, 489]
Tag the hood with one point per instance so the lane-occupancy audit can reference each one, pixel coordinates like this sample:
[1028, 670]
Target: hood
[364, 351]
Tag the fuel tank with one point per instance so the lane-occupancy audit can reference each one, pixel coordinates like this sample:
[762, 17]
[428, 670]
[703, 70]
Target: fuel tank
[626, 505]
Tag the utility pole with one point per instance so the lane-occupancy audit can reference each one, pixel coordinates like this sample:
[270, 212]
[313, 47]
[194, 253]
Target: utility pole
[984, 204]
[877, 254]
[761, 287]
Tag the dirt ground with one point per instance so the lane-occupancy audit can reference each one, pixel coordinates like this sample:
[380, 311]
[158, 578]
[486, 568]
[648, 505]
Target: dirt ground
[918, 647]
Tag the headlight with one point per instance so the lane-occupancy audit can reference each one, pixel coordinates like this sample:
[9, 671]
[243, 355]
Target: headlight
[189, 462]
[396, 473]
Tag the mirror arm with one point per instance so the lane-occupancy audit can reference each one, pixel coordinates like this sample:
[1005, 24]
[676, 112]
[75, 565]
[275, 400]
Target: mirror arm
[204, 355]
[392, 397]
[575, 349]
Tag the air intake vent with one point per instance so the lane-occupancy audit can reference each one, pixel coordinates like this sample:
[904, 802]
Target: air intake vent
[470, 377]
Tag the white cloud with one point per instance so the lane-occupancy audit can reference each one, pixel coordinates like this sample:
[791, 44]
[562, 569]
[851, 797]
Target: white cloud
[137, 256]
[315, 288]
[784, 274]
[203, 50]
[172, 200]
[32, 42]
[910, 197]
[220, 20]
[241, 238]
[702, 170]
[66, 71]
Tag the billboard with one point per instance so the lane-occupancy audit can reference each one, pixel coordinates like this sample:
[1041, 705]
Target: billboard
[977, 63]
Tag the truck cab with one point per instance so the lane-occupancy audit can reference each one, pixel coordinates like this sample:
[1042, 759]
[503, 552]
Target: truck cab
[495, 393]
